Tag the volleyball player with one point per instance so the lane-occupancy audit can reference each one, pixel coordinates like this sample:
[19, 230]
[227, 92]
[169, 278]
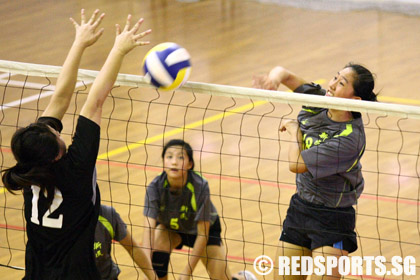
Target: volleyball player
[178, 211]
[325, 151]
[59, 186]
[111, 227]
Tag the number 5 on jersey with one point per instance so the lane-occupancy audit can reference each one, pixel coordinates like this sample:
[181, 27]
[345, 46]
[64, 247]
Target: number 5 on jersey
[46, 220]
[174, 223]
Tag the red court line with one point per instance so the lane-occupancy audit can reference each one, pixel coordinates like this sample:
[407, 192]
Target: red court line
[388, 199]
[182, 250]
[247, 181]
[255, 182]
[12, 227]
[6, 150]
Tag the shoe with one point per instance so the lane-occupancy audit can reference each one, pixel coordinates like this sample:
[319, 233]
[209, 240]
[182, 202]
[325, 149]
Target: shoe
[245, 275]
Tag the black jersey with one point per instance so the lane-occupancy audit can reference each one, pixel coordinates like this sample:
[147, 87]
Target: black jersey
[61, 236]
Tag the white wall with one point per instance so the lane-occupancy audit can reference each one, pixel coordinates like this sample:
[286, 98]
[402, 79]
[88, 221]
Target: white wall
[410, 7]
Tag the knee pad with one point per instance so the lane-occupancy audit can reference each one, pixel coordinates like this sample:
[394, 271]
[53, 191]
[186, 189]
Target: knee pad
[160, 262]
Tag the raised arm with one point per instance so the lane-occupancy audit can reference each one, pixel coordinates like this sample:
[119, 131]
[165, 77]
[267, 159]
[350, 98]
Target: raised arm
[277, 76]
[125, 41]
[139, 256]
[86, 35]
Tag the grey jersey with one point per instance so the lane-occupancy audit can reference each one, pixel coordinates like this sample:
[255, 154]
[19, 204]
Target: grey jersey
[110, 227]
[332, 152]
[182, 211]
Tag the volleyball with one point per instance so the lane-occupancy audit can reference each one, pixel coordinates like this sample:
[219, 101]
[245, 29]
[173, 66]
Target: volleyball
[167, 66]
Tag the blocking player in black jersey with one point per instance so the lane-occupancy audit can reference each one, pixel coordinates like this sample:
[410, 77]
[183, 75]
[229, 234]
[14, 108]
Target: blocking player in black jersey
[59, 186]
[325, 152]
[178, 211]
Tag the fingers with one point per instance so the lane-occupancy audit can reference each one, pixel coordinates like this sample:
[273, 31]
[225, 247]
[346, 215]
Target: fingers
[141, 35]
[98, 21]
[269, 85]
[99, 33]
[117, 29]
[263, 82]
[258, 82]
[74, 22]
[137, 26]
[92, 18]
[82, 15]
[132, 31]
[127, 23]
[127, 38]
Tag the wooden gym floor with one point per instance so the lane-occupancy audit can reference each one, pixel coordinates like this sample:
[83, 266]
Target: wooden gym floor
[229, 41]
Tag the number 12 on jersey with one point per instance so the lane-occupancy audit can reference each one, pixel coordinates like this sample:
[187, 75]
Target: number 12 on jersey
[47, 221]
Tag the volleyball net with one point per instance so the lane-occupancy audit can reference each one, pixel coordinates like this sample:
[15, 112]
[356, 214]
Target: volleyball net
[237, 147]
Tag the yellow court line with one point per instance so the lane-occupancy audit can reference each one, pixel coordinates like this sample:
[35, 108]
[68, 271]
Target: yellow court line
[398, 100]
[179, 130]
[140, 143]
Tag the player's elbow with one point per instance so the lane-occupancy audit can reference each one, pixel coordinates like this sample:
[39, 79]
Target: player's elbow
[296, 167]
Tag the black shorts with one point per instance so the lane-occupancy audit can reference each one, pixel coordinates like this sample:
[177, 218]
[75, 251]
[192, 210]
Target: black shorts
[313, 226]
[214, 236]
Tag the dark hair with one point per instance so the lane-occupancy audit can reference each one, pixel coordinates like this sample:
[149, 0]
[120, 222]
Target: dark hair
[34, 147]
[363, 83]
[184, 145]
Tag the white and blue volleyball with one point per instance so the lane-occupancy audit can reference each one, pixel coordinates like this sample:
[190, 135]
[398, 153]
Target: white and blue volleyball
[167, 66]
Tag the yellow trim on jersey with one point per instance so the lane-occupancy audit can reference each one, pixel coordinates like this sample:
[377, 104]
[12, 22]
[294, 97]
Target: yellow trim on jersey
[107, 225]
[310, 111]
[357, 160]
[193, 201]
[191, 188]
[198, 173]
[346, 132]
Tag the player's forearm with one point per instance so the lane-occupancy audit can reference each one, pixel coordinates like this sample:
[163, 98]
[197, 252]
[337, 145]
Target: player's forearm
[141, 258]
[148, 238]
[66, 82]
[296, 162]
[102, 86]
[280, 75]
[198, 249]
[68, 75]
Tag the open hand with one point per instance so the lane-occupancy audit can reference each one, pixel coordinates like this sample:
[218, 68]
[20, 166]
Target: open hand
[264, 82]
[86, 33]
[128, 39]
